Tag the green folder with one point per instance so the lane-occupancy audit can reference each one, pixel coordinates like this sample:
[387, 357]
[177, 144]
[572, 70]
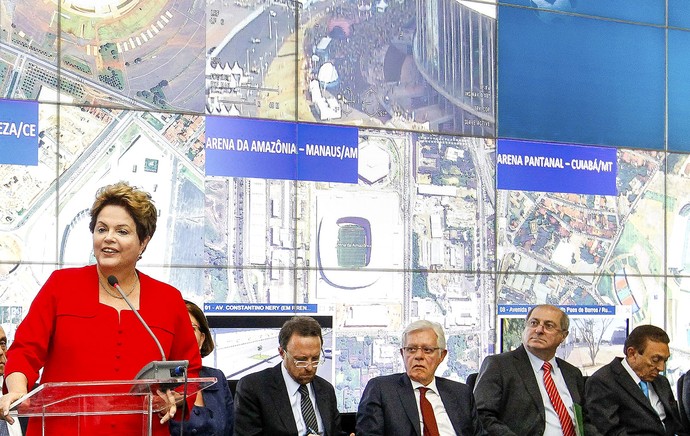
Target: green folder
[579, 421]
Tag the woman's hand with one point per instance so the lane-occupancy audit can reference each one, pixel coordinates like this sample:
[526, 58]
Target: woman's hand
[169, 400]
[16, 384]
[5, 403]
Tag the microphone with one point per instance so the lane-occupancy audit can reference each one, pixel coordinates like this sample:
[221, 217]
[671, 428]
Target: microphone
[157, 369]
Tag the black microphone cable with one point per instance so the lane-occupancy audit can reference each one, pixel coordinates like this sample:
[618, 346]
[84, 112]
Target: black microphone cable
[184, 402]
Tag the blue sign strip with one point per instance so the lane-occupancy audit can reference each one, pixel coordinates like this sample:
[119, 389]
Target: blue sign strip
[521, 310]
[18, 132]
[554, 167]
[239, 147]
[265, 308]
[327, 153]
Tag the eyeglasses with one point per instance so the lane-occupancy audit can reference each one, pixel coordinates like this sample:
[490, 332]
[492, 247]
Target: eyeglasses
[425, 350]
[3, 344]
[548, 325]
[306, 363]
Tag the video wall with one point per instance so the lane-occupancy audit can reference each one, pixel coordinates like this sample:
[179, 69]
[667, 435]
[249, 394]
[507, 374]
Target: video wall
[366, 162]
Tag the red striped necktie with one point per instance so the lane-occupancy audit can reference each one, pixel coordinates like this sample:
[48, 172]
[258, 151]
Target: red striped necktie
[557, 402]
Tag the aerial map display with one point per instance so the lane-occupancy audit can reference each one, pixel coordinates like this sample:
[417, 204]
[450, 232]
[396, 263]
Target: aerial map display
[346, 159]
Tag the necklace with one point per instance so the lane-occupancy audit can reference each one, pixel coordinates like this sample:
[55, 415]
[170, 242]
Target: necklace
[120, 297]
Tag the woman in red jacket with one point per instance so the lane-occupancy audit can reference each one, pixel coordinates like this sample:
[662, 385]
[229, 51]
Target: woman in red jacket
[79, 328]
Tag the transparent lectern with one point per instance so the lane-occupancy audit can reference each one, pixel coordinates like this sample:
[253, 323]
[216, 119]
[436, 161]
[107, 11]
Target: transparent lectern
[83, 404]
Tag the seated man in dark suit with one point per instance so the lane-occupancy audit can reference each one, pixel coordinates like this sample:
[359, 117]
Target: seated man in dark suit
[528, 391]
[289, 399]
[417, 402]
[629, 395]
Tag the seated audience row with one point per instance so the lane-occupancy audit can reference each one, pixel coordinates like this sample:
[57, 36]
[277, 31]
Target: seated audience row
[290, 399]
[527, 391]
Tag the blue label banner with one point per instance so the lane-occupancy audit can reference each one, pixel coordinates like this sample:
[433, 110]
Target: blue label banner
[240, 147]
[18, 132]
[327, 153]
[521, 310]
[553, 167]
[264, 308]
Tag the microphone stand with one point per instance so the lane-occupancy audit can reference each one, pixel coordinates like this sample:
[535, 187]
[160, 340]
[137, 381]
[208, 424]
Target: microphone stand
[158, 369]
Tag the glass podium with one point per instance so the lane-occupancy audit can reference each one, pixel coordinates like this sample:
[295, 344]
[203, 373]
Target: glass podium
[82, 405]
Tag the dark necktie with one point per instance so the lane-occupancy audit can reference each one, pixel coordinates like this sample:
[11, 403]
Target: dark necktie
[428, 417]
[308, 410]
[557, 402]
[3, 428]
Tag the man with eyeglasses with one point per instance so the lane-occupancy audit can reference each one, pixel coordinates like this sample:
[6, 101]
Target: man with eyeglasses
[630, 395]
[417, 402]
[528, 391]
[289, 398]
[6, 429]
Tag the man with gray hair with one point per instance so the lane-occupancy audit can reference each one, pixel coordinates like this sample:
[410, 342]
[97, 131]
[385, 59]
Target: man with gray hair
[418, 402]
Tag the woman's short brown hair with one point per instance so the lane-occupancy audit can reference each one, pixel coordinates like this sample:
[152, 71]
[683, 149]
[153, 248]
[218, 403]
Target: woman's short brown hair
[194, 310]
[138, 204]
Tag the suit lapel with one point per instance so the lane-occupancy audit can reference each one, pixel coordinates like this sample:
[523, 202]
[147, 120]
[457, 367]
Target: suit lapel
[524, 367]
[664, 395]
[449, 403]
[570, 381]
[409, 402]
[281, 400]
[626, 382]
[322, 403]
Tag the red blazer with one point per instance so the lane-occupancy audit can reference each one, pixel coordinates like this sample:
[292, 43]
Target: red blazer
[73, 337]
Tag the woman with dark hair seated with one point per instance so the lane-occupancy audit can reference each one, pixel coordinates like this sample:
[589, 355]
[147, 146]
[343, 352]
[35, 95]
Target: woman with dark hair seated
[212, 414]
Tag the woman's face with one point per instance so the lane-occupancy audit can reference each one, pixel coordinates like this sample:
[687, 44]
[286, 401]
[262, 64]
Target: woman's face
[200, 337]
[116, 244]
